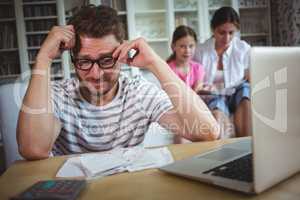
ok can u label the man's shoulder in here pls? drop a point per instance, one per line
(138, 86)
(134, 81)
(66, 85)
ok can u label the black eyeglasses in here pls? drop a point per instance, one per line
(105, 62)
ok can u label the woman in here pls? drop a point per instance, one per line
(226, 62)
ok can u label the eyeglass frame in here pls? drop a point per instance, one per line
(73, 59)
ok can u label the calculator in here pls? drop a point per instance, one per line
(53, 189)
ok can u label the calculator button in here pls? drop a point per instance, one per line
(48, 185)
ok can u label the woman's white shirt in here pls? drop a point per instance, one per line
(236, 59)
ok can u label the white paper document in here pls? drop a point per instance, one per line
(115, 161)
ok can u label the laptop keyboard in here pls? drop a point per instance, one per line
(239, 169)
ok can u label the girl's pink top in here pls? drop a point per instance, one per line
(195, 73)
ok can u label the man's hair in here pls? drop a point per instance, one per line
(95, 22)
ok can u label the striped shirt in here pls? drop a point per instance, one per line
(122, 122)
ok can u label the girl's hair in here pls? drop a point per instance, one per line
(224, 15)
(180, 32)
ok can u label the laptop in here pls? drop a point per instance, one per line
(256, 163)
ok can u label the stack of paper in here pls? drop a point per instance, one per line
(115, 161)
(95, 164)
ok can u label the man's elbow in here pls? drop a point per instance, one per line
(30, 152)
(213, 135)
(209, 133)
(31, 148)
(213, 132)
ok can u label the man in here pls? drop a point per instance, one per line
(101, 109)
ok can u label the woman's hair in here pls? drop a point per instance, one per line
(180, 32)
(96, 22)
(224, 15)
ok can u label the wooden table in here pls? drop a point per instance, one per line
(148, 184)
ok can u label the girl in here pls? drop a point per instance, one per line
(183, 45)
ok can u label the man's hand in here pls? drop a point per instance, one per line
(145, 58)
(59, 38)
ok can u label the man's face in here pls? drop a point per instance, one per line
(97, 81)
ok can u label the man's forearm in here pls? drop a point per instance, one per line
(36, 123)
(197, 120)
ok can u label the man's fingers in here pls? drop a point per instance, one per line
(117, 52)
(123, 57)
(68, 38)
(65, 42)
(70, 27)
(131, 50)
